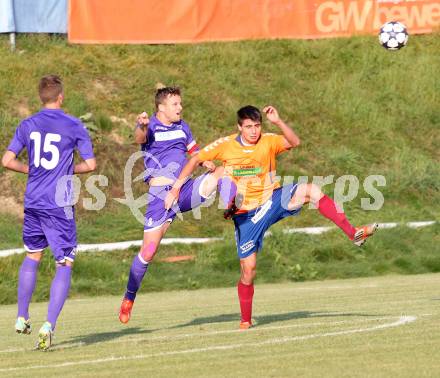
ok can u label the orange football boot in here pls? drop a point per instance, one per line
(125, 311)
(245, 325)
(363, 232)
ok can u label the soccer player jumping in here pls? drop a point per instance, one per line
(165, 139)
(249, 158)
(50, 137)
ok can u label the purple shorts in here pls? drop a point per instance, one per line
(189, 198)
(50, 227)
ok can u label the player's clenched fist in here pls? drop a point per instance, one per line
(271, 113)
(142, 119)
(209, 165)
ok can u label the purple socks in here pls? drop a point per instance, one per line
(27, 278)
(58, 293)
(137, 273)
(227, 191)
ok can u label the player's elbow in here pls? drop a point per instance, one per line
(4, 162)
(91, 163)
(139, 139)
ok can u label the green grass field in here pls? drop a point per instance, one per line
(381, 327)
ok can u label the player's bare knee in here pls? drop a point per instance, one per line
(314, 193)
(248, 277)
(248, 273)
(148, 251)
(36, 256)
(209, 185)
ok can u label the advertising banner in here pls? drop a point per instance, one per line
(188, 21)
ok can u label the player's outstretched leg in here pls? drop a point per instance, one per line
(138, 269)
(27, 278)
(327, 207)
(245, 288)
(59, 291)
(137, 272)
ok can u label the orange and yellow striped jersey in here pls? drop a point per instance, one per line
(252, 168)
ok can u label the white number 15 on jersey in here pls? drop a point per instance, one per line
(47, 147)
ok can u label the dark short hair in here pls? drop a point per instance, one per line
(163, 93)
(248, 112)
(49, 88)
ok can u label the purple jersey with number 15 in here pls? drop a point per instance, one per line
(50, 137)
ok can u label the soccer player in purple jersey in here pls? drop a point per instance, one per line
(50, 138)
(166, 140)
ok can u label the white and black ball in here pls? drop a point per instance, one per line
(393, 35)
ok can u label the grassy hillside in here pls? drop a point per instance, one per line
(358, 109)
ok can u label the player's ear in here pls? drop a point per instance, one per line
(239, 127)
(60, 98)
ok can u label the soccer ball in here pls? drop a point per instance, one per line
(393, 35)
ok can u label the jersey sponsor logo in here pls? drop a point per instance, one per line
(162, 128)
(246, 247)
(169, 135)
(248, 151)
(247, 171)
(261, 212)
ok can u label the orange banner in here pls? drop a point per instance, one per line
(188, 21)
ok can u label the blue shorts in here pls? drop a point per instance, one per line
(50, 227)
(190, 197)
(250, 227)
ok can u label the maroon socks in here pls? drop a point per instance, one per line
(327, 207)
(245, 295)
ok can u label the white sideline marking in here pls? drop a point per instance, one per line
(210, 333)
(257, 329)
(120, 245)
(420, 224)
(308, 230)
(137, 243)
(401, 321)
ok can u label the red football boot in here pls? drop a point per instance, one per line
(125, 311)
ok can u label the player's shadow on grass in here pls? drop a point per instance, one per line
(95, 338)
(267, 319)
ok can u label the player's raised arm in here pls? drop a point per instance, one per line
(141, 130)
(292, 140)
(10, 161)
